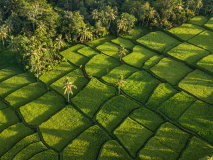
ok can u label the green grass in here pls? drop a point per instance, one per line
(100, 65)
(78, 79)
(58, 72)
(12, 84)
(87, 145)
(111, 150)
(199, 84)
(8, 117)
(26, 94)
(2, 105)
(140, 85)
(114, 111)
(176, 105)
(158, 41)
(132, 135)
(188, 53)
(139, 56)
(125, 42)
(172, 137)
(45, 155)
(11, 135)
(171, 70)
(30, 151)
(93, 95)
(203, 40)
(20, 146)
(154, 150)
(206, 63)
(152, 61)
(88, 52)
(186, 31)
(114, 75)
(162, 92)
(197, 149)
(209, 24)
(41, 109)
(199, 119)
(9, 72)
(100, 41)
(109, 49)
(147, 118)
(198, 20)
(63, 127)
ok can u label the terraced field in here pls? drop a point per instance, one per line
(164, 111)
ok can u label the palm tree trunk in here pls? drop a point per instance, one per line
(119, 90)
(3, 42)
(37, 72)
(68, 97)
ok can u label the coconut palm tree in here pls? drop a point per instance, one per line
(59, 43)
(68, 85)
(120, 83)
(3, 33)
(122, 51)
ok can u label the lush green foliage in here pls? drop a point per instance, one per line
(198, 20)
(171, 70)
(199, 84)
(9, 72)
(206, 63)
(26, 94)
(88, 52)
(121, 41)
(90, 93)
(7, 58)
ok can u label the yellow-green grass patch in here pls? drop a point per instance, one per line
(199, 84)
(197, 149)
(152, 61)
(203, 40)
(198, 20)
(9, 72)
(147, 118)
(100, 41)
(76, 77)
(139, 56)
(209, 24)
(12, 84)
(26, 94)
(157, 40)
(41, 109)
(176, 105)
(162, 92)
(93, 95)
(140, 85)
(172, 137)
(12, 135)
(199, 119)
(8, 117)
(125, 42)
(114, 75)
(20, 146)
(109, 49)
(100, 65)
(154, 150)
(88, 52)
(186, 31)
(132, 135)
(87, 145)
(63, 127)
(188, 53)
(114, 111)
(111, 150)
(45, 155)
(171, 70)
(206, 63)
(58, 72)
(2, 105)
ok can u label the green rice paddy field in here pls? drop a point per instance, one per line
(164, 111)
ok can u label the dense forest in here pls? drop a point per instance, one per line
(37, 29)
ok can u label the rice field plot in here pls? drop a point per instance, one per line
(7, 58)
(2, 105)
(97, 42)
(206, 63)
(9, 72)
(209, 24)
(188, 53)
(88, 52)
(186, 31)
(203, 40)
(199, 84)
(152, 61)
(158, 41)
(199, 20)
(171, 70)
(138, 57)
(46, 155)
(94, 94)
(125, 42)
(100, 65)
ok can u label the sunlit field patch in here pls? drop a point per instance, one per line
(125, 42)
(198, 20)
(206, 63)
(209, 24)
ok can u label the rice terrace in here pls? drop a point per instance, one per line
(164, 109)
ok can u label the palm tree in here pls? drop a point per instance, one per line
(120, 83)
(68, 85)
(3, 33)
(122, 51)
(59, 43)
(85, 34)
(95, 14)
(14, 43)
